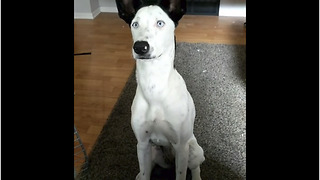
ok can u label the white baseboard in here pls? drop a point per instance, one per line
(83, 16)
(109, 9)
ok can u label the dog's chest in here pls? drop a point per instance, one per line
(156, 126)
(162, 133)
(160, 105)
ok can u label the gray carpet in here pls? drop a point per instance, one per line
(216, 78)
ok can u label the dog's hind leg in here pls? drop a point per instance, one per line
(196, 157)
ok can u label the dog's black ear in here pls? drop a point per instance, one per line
(175, 9)
(127, 9)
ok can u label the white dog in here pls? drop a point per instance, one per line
(163, 111)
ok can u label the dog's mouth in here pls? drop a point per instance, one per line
(146, 57)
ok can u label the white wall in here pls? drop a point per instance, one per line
(89, 9)
(86, 9)
(232, 8)
(108, 6)
(82, 6)
(94, 4)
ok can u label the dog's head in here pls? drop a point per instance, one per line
(175, 9)
(152, 24)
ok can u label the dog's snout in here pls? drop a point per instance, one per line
(141, 47)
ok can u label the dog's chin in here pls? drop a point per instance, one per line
(146, 58)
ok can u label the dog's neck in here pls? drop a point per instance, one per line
(153, 75)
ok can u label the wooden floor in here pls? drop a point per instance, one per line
(100, 77)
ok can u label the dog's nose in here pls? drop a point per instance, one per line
(141, 47)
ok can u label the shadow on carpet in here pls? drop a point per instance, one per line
(215, 75)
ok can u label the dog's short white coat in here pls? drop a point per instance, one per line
(163, 110)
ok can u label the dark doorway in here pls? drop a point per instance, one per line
(203, 7)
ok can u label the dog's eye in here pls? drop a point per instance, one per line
(160, 23)
(135, 25)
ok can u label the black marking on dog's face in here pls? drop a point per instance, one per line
(127, 9)
(174, 8)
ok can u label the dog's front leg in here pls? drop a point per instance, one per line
(182, 156)
(144, 157)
